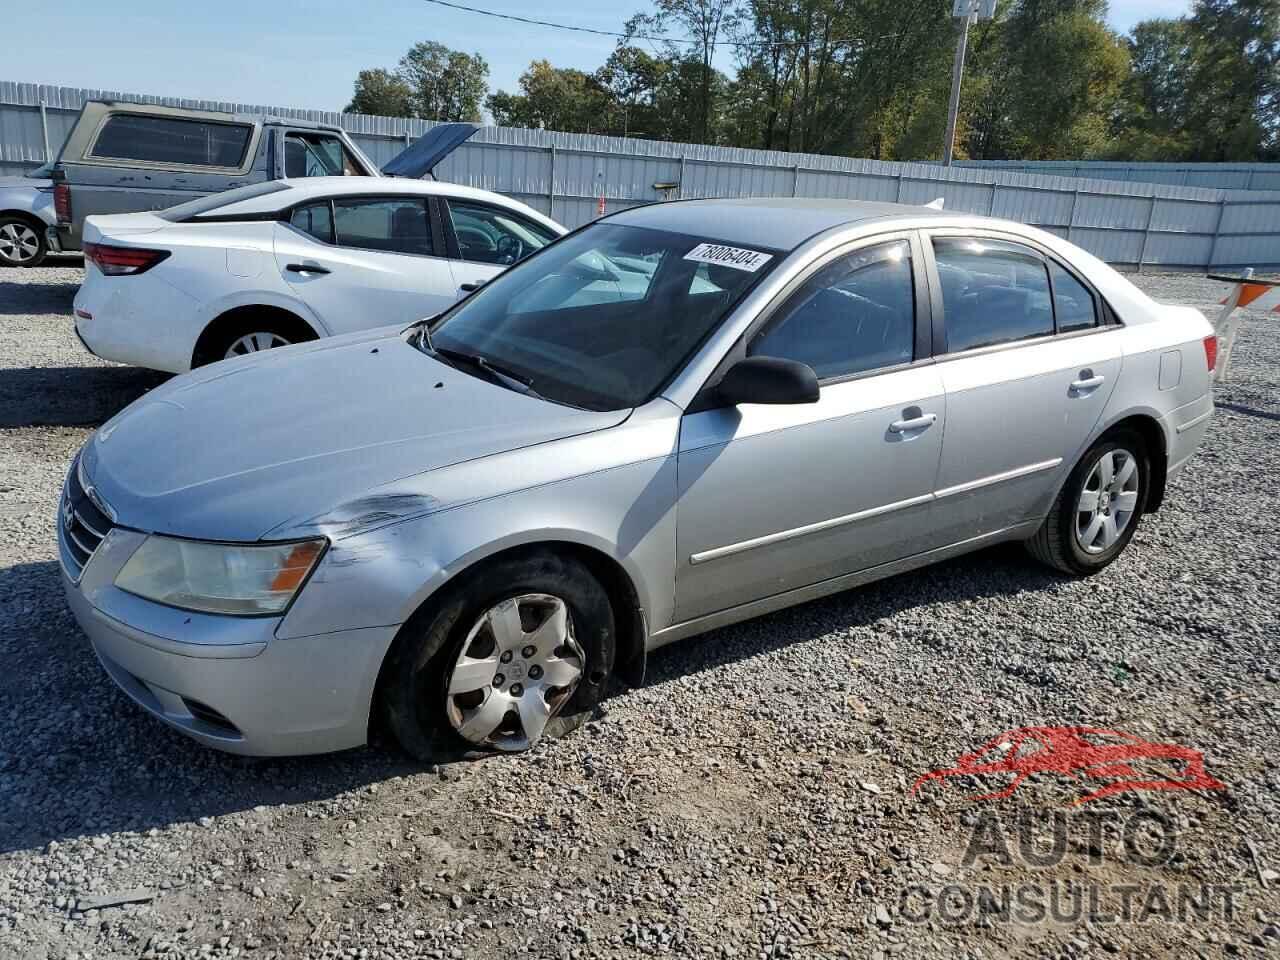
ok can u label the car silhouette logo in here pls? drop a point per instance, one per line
(1081, 752)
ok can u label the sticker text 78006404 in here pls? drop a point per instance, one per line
(725, 256)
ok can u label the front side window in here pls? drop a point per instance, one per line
(993, 292)
(604, 318)
(175, 140)
(389, 225)
(317, 155)
(855, 314)
(490, 235)
(1073, 305)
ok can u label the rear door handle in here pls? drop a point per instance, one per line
(915, 423)
(307, 268)
(1086, 382)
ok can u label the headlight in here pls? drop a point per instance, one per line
(241, 580)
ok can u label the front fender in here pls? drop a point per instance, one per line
(392, 551)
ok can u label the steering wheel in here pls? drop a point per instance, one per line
(510, 249)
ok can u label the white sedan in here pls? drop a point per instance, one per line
(290, 260)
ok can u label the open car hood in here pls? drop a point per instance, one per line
(423, 155)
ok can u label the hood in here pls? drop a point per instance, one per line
(424, 154)
(242, 446)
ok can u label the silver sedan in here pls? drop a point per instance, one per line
(679, 417)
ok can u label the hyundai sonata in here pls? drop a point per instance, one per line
(679, 417)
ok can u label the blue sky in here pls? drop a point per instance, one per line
(305, 53)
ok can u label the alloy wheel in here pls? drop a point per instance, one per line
(254, 342)
(1107, 501)
(518, 666)
(18, 242)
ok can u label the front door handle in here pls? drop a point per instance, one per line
(307, 268)
(468, 287)
(1086, 382)
(921, 422)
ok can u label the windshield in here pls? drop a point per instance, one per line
(605, 317)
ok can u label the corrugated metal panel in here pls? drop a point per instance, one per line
(1184, 220)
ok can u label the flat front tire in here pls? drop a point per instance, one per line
(1097, 511)
(519, 650)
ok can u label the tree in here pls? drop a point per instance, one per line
(631, 77)
(553, 98)
(445, 84)
(702, 22)
(381, 93)
(1232, 87)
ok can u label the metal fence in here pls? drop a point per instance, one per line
(1138, 225)
(1225, 176)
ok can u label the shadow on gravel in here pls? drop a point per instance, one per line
(22, 299)
(70, 396)
(78, 757)
(1247, 411)
(1002, 570)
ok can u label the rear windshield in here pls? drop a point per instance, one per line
(195, 209)
(174, 140)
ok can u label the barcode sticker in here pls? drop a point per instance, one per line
(723, 256)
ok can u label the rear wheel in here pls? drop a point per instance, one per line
(520, 650)
(1096, 513)
(22, 242)
(250, 331)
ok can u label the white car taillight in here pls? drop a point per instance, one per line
(122, 261)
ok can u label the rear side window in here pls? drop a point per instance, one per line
(195, 143)
(315, 219)
(993, 292)
(855, 314)
(390, 225)
(1072, 302)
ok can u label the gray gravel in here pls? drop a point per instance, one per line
(751, 800)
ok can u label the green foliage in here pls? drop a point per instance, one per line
(1045, 79)
(381, 93)
(431, 82)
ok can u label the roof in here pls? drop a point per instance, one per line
(779, 223)
(302, 189)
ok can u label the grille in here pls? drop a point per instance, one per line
(83, 524)
(206, 714)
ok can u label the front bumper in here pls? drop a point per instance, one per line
(227, 682)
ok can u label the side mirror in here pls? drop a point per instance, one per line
(769, 380)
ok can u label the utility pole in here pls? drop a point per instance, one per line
(966, 11)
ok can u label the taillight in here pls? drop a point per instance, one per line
(1211, 350)
(62, 201)
(122, 261)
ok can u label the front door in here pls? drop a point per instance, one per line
(1027, 370)
(772, 498)
(365, 261)
(487, 239)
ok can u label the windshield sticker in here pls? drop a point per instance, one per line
(722, 256)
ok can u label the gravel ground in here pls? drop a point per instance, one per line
(751, 800)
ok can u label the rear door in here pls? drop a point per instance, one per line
(366, 261)
(1028, 366)
(486, 238)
